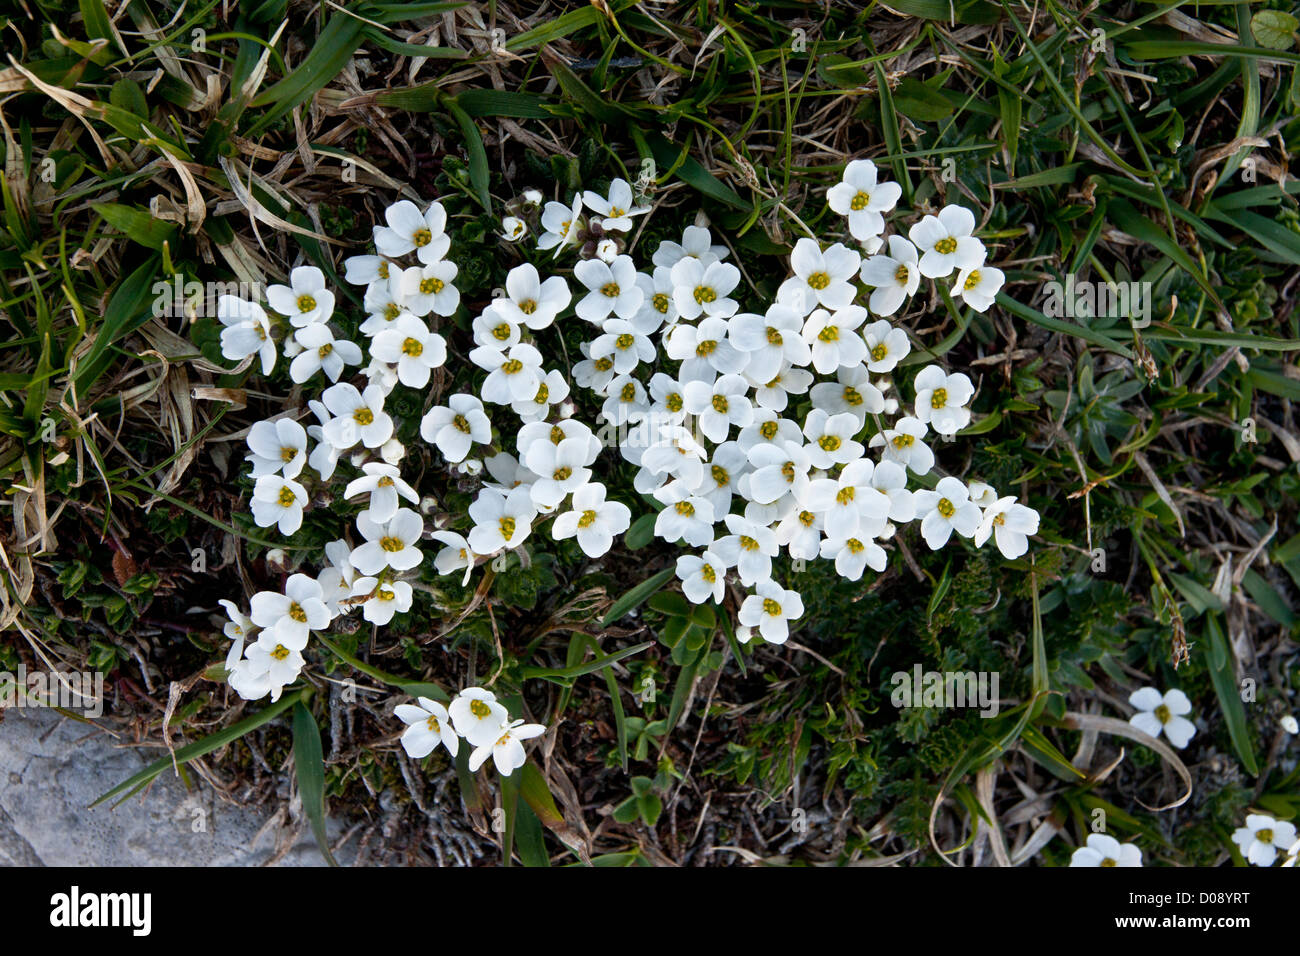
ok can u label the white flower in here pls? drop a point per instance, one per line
(324, 457)
(903, 444)
(689, 520)
(237, 629)
(363, 270)
(278, 501)
(415, 350)
(455, 427)
(946, 509)
(800, 532)
(862, 199)
(770, 609)
(1167, 713)
(305, 299)
(247, 331)
(833, 338)
(429, 288)
(1010, 524)
(607, 250)
(940, 397)
(269, 665)
(657, 306)
(849, 501)
(749, 548)
(593, 520)
(728, 465)
(769, 341)
(560, 224)
(979, 287)
(852, 555)
(1103, 850)
(885, 346)
(890, 479)
(617, 209)
(384, 303)
(389, 544)
(560, 469)
(513, 228)
(1260, 838)
(1290, 724)
(493, 330)
(696, 243)
(703, 348)
(719, 405)
(553, 389)
(982, 493)
(427, 726)
(852, 392)
(384, 483)
(289, 618)
(478, 716)
(335, 579)
(702, 577)
(410, 231)
(360, 416)
(895, 276)
(386, 598)
(830, 439)
(779, 469)
(626, 402)
(530, 301)
(700, 289)
(321, 351)
(280, 446)
(612, 289)
(946, 243)
(820, 278)
(454, 556)
(625, 344)
(507, 750)
(513, 375)
(501, 521)
(667, 401)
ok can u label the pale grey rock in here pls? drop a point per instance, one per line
(52, 768)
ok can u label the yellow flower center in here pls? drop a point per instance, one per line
(829, 442)
(507, 526)
(720, 475)
(859, 202)
(903, 441)
(774, 337)
(557, 434)
(819, 280)
(563, 473)
(673, 402)
(432, 724)
(297, 613)
(855, 545)
(604, 364)
(901, 275)
(628, 392)
(461, 424)
(392, 311)
(705, 348)
(768, 429)
(385, 595)
(501, 332)
(413, 348)
(1108, 861)
(806, 518)
(610, 289)
(660, 302)
(972, 280)
(879, 352)
(845, 495)
(945, 508)
(288, 453)
(280, 652)
(704, 294)
(1162, 714)
(287, 498)
(382, 270)
(306, 303)
(707, 572)
(528, 306)
(685, 508)
(625, 341)
(384, 481)
(586, 519)
(1264, 836)
(543, 394)
(787, 470)
(720, 403)
(939, 398)
(391, 544)
(771, 607)
(431, 286)
(422, 237)
(479, 708)
(946, 246)
(829, 334)
(512, 367)
(748, 543)
(852, 396)
(363, 416)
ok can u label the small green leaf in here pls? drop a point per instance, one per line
(1274, 29)
(309, 766)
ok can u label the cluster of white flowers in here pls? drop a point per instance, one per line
(474, 714)
(693, 393)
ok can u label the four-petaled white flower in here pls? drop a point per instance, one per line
(1103, 850)
(946, 243)
(428, 725)
(305, 299)
(1167, 714)
(770, 609)
(594, 521)
(617, 209)
(389, 544)
(860, 197)
(1262, 836)
(410, 345)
